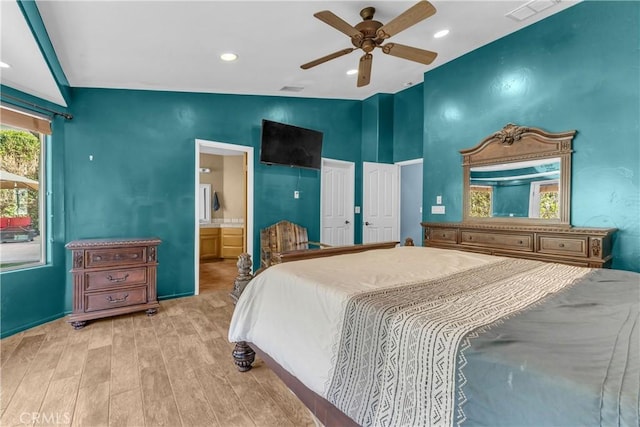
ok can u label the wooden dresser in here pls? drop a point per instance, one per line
(113, 277)
(585, 247)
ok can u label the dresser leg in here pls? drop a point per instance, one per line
(78, 325)
(151, 311)
(243, 356)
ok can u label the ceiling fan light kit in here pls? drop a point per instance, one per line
(370, 34)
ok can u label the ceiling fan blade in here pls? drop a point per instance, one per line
(364, 70)
(326, 58)
(416, 13)
(411, 53)
(338, 23)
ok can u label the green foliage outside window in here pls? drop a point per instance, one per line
(20, 154)
(549, 205)
(480, 203)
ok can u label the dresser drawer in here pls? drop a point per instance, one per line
(575, 246)
(232, 231)
(115, 256)
(99, 280)
(443, 235)
(231, 252)
(232, 241)
(522, 242)
(118, 298)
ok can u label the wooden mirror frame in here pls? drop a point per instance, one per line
(515, 143)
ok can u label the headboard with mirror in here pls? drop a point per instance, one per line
(517, 202)
(519, 175)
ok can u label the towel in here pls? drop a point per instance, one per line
(216, 202)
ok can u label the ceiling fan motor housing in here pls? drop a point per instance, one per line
(368, 28)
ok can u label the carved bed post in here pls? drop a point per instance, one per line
(243, 355)
(244, 276)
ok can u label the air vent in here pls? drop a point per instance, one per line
(529, 9)
(291, 89)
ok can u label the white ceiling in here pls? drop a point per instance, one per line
(175, 45)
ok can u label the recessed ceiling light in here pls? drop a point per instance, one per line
(228, 56)
(352, 72)
(441, 33)
(4, 65)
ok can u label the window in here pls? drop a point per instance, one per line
(481, 201)
(22, 189)
(544, 200)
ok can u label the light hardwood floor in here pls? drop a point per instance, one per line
(172, 369)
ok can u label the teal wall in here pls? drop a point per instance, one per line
(408, 124)
(141, 179)
(377, 128)
(578, 69)
(511, 200)
(36, 295)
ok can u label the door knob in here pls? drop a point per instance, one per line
(346, 221)
(368, 223)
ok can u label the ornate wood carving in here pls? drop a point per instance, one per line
(243, 356)
(113, 277)
(152, 254)
(515, 143)
(244, 276)
(564, 245)
(78, 259)
(510, 133)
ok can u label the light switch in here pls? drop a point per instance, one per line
(357, 209)
(439, 210)
(296, 194)
(439, 200)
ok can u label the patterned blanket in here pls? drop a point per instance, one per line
(395, 364)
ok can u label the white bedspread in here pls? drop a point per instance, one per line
(294, 311)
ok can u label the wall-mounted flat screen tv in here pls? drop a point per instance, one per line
(283, 144)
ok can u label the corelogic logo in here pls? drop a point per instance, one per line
(48, 418)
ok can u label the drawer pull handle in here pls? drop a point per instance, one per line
(561, 245)
(444, 235)
(117, 279)
(97, 258)
(117, 300)
(520, 242)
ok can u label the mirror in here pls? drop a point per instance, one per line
(518, 175)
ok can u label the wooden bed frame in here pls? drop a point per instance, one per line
(519, 238)
(244, 353)
(554, 241)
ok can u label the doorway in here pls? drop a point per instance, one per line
(337, 187)
(380, 203)
(411, 200)
(223, 149)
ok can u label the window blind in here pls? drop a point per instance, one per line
(25, 121)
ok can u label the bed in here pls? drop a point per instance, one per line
(506, 318)
(427, 336)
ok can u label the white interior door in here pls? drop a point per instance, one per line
(380, 202)
(338, 188)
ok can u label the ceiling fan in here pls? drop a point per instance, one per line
(369, 34)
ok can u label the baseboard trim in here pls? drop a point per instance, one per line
(5, 334)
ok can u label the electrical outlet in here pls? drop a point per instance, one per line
(296, 194)
(439, 210)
